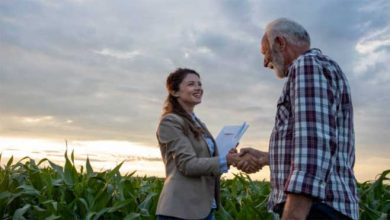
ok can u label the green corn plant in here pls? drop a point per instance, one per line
(30, 191)
(375, 198)
(243, 198)
(45, 190)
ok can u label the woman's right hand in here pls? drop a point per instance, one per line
(232, 157)
(247, 163)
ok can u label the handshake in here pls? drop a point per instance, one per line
(248, 160)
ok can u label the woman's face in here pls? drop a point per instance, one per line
(190, 91)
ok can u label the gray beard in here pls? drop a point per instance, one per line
(278, 63)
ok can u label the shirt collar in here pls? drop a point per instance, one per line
(312, 51)
(194, 118)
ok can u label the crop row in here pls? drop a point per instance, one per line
(45, 190)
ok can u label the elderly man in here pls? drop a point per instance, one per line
(311, 151)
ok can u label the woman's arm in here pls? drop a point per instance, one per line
(179, 148)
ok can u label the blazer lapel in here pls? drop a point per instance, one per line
(209, 135)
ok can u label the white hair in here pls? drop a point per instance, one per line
(292, 31)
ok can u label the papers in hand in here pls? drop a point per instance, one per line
(229, 137)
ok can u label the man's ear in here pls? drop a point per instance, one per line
(281, 42)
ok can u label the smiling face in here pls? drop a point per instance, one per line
(190, 92)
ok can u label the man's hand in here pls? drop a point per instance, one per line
(248, 163)
(297, 207)
(258, 160)
(263, 157)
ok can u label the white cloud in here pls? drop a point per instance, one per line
(118, 54)
(117, 93)
(373, 50)
(375, 6)
(369, 60)
(374, 41)
(33, 120)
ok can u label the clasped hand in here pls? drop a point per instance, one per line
(248, 160)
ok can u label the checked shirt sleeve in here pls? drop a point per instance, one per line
(314, 128)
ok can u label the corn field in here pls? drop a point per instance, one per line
(30, 190)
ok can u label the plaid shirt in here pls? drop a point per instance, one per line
(312, 149)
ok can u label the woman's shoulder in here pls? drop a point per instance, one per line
(172, 117)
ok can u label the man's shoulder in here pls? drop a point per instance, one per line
(312, 57)
(312, 53)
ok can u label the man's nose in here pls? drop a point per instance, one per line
(266, 61)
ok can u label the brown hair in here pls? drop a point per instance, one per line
(173, 106)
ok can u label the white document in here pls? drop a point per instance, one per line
(229, 137)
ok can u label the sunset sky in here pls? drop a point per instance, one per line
(93, 72)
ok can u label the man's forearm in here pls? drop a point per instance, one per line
(297, 207)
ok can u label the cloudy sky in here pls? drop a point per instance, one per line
(85, 70)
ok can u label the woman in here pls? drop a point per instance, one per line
(192, 164)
